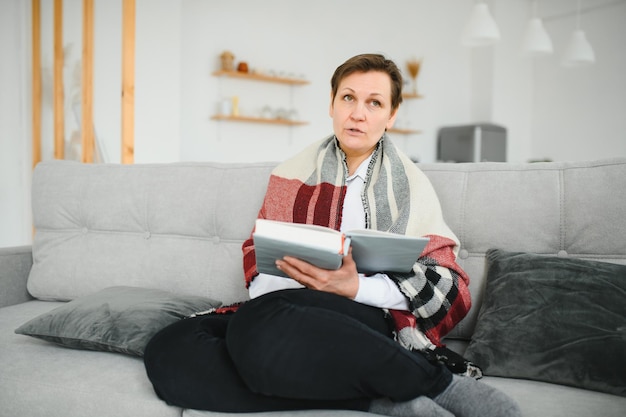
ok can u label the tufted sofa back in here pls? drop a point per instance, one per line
(177, 227)
(180, 226)
(571, 209)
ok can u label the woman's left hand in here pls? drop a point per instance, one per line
(343, 281)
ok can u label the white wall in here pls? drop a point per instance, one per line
(580, 113)
(15, 150)
(512, 80)
(549, 111)
(158, 56)
(312, 38)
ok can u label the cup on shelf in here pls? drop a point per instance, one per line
(281, 114)
(266, 112)
(292, 115)
(242, 67)
(225, 107)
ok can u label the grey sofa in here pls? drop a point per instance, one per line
(179, 228)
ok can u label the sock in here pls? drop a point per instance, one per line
(467, 397)
(418, 407)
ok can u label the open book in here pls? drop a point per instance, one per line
(372, 250)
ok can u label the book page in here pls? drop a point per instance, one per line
(307, 234)
(385, 252)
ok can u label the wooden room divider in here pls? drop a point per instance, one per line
(87, 125)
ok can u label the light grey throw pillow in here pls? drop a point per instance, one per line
(116, 319)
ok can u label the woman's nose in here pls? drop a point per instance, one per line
(358, 112)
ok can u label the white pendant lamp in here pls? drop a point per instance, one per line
(481, 29)
(579, 51)
(536, 39)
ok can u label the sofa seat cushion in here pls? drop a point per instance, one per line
(116, 319)
(537, 398)
(42, 379)
(291, 413)
(553, 319)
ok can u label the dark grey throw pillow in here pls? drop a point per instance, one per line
(116, 319)
(553, 319)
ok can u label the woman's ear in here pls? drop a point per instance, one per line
(330, 107)
(392, 119)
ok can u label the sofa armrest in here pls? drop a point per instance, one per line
(15, 264)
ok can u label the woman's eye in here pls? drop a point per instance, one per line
(376, 103)
(348, 97)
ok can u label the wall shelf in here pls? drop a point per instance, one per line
(260, 77)
(244, 119)
(400, 131)
(410, 96)
(405, 131)
(263, 78)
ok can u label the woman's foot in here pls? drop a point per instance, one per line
(418, 407)
(467, 397)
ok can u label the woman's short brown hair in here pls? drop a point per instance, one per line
(366, 63)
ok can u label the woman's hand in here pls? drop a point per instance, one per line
(343, 281)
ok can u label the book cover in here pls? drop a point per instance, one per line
(373, 251)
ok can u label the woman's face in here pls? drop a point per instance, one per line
(361, 111)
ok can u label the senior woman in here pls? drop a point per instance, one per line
(336, 339)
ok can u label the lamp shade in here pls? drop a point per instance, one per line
(536, 39)
(579, 51)
(480, 29)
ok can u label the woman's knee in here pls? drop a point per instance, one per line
(187, 361)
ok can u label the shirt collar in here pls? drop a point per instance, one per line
(361, 171)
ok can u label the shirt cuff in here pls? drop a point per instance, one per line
(266, 283)
(380, 291)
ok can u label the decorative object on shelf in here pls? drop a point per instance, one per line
(536, 39)
(242, 67)
(225, 107)
(266, 112)
(235, 109)
(281, 114)
(413, 66)
(292, 115)
(481, 29)
(579, 51)
(228, 61)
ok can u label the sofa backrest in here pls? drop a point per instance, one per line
(570, 209)
(179, 227)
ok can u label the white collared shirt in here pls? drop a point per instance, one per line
(375, 290)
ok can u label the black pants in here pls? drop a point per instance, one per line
(287, 350)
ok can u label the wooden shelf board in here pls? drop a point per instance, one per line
(405, 131)
(259, 77)
(258, 120)
(411, 95)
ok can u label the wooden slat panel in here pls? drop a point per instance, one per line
(128, 82)
(36, 74)
(87, 129)
(59, 114)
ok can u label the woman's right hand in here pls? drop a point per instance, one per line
(343, 281)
